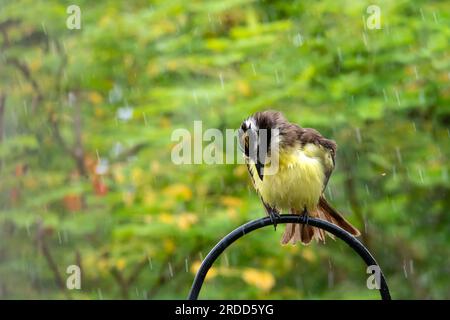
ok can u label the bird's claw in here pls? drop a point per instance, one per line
(305, 216)
(274, 216)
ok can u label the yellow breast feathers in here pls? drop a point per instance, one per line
(300, 179)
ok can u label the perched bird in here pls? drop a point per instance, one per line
(304, 161)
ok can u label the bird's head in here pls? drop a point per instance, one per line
(259, 133)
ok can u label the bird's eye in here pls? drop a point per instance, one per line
(244, 141)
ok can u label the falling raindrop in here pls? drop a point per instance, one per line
(421, 175)
(398, 154)
(385, 95)
(150, 263)
(226, 261)
(404, 270)
(221, 80)
(186, 264)
(411, 266)
(416, 73)
(421, 14)
(115, 94)
(435, 17)
(397, 96)
(59, 238)
(25, 107)
(100, 294)
(170, 270)
(366, 44)
(253, 69)
(330, 192)
(276, 76)
(298, 40)
(28, 230)
(200, 254)
(358, 135)
(145, 119)
(44, 28)
(408, 174)
(367, 190)
(330, 274)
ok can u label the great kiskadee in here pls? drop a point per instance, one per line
(305, 161)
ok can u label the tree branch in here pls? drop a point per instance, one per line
(43, 246)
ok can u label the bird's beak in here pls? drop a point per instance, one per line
(260, 170)
(243, 142)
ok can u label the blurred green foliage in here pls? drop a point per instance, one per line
(86, 118)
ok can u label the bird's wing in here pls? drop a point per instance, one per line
(309, 135)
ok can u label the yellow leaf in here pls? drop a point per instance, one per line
(153, 69)
(95, 98)
(172, 65)
(35, 64)
(136, 175)
(211, 273)
(164, 122)
(149, 198)
(230, 201)
(232, 213)
(166, 218)
(118, 175)
(240, 171)
(155, 167)
(260, 279)
(179, 190)
(120, 264)
(243, 88)
(102, 265)
(185, 220)
(308, 254)
(169, 246)
(99, 112)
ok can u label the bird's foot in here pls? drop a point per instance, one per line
(305, 216)
(274, 216)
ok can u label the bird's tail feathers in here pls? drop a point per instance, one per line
(296, 232)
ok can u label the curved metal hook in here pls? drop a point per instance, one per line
(239, 232)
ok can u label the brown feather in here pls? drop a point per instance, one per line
(335, 217)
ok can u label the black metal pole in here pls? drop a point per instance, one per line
(239, 232)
